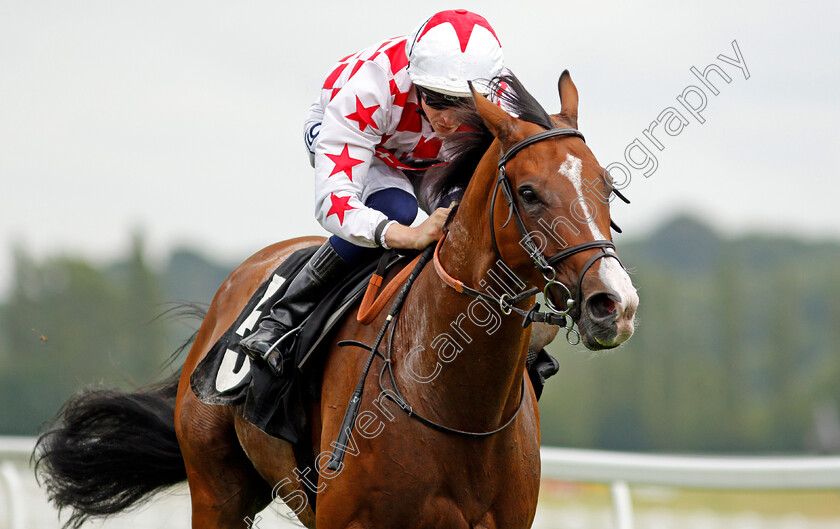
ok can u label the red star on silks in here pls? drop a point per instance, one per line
(462, 21)
(427, 149)
(410, 121)
(339, 207)
(363, 114)
(343, 162)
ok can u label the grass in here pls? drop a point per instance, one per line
(811, 504)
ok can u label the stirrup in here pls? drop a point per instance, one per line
(267, 358)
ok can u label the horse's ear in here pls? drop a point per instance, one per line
(496, 119)
(568, 98)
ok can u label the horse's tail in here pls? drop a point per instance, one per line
(111, 451)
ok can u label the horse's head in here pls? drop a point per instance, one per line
(551, 208)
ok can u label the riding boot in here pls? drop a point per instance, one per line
(273, 340)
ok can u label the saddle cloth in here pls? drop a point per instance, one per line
(277, 404)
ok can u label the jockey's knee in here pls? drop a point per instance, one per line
(395, 203)
(352, 254)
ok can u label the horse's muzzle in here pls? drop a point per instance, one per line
(607, 320)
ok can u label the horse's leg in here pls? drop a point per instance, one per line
(224, 486)
(275, 460)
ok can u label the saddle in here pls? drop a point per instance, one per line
(277, 405)
(227, 376)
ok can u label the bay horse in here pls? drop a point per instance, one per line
(455, 359)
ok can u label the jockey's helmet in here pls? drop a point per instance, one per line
(451, 48)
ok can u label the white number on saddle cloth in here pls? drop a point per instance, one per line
(227, 378)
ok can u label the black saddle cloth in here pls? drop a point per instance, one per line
(277, 405)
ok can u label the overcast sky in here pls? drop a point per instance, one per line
(182, 119)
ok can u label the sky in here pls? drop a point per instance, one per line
(182, 120)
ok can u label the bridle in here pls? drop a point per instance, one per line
(545, 264)
(506, 302)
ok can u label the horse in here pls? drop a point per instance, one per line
(451, 437)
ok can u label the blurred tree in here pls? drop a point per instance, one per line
(730, 315)
(142, 340)
(68, 324)
(783, 361)
(735, 347)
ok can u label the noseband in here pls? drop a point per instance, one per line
(545, 264)
(505, 301)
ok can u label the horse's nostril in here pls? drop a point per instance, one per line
(601, 306)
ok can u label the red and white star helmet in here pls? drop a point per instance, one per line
(451, 48)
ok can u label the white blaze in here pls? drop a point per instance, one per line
(610, 272)
(572, 169)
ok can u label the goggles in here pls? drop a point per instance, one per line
(438, 101)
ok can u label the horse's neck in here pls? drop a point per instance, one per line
(464, 359)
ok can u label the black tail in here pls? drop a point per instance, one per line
(110, 450)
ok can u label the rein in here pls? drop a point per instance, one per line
(352, 411)
(395, 395)
(507, 303)
(398, 399)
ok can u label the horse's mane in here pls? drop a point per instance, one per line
(467, 148)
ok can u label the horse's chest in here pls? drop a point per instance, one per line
(417, 485)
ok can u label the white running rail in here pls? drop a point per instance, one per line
(13, 449)
(618, 470)
(686, 472)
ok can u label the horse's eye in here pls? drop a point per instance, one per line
(528, 195)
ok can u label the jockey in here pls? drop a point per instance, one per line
(377, 125)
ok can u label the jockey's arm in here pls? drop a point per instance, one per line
(355, 118)
(348, 137)
(419, 237)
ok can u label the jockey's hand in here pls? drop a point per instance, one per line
(418, 238)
